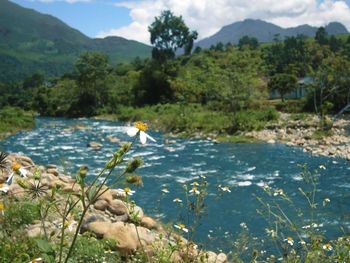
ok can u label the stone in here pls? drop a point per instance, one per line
(117, 207)
(51, 166)
(52, 171)
(127, 238)
(107, 195)
(101, 204)
(149, 222)
(99, 228)
(25, 159)
(136, 212)
(118, 194)
(221, 258)
(113, 139)
(271, 141)
(93, 217)
(94, 145)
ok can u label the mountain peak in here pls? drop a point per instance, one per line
(264, 31)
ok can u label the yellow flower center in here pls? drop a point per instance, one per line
(289, 239)
(141, 126)
(2, 207)
(181, 226)
(15, 167)
(328, 245)
(126, 190)
(194, 189)
(195, 183)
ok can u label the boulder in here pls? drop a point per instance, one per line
(149, 222)
(94, 145)
(101, 204)
(52, 171)
(117, 207)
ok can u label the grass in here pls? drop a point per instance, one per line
(14, 120)
(195, 119)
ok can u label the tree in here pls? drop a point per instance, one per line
(283, 83)
(93, 69)
(249, 42)
(321, 36)
(168, 33)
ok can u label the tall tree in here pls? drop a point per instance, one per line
(321, 36)
(93, 69)
(283, 83)
(168, 33)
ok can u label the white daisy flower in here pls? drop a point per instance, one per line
(322, 167)
(17, 168)
(194, 190)
(127, 191)
(140, 128)
(225, 189)
(177, 200)
(166, 191)
(327, 247)
(4, 188)
(195, 184)
(181, 227)
(290, 241)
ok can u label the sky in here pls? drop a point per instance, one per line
(130, 18)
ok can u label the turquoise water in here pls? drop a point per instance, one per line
(243, 167)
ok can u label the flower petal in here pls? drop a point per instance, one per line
(143, 137)
(151, 138)
(23, 172)
(9, 180)
(132, 131)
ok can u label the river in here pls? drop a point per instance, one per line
(242, 167)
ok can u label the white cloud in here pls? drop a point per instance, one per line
(208, 16)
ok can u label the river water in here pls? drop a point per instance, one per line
(242, 167)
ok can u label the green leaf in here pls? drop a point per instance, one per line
(44, 246)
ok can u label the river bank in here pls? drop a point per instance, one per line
(300, 129)
(112, 217)
(304, 133)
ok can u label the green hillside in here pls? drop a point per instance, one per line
(32, 42)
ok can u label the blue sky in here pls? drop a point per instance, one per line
(88, 17)
(130, 18)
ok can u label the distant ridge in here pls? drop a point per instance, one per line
(32, 42)
(264, 32)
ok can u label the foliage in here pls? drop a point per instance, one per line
(283, 84)
(168, 33)
(36, 43)
(248, 42)
(15, 119)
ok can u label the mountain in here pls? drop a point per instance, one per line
(32, 42)
(264, 32)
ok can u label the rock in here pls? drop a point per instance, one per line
(123, 234)
(66, 179)
(221, 258)
(271, 141)
(99, 228)
(113, 139)
(136, 212)
(118, 194)
(149, 222)
(25, 159)
(127, 238)
(51, 166)
(107, 195)
(37, 229)
(52, 171)
(117, 207)
(169, 141)
(93, 217)
(94, 145)
(101, 204)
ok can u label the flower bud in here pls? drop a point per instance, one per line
(133, 165)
